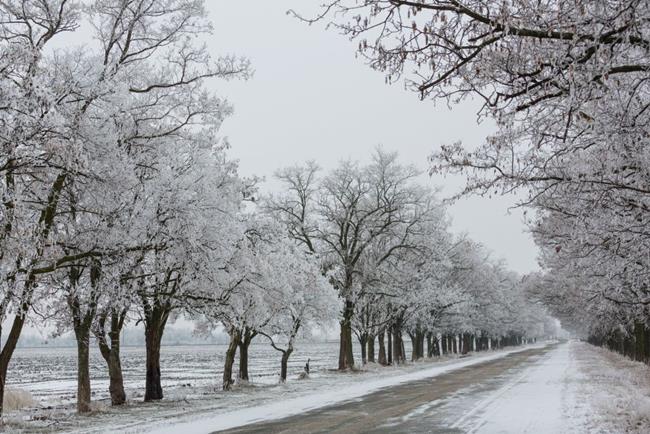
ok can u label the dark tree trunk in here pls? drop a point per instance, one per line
(82, 322)
(382, 349)
(417, 341)
(647, 345)
(3, 375)
(371, 349)
(284, 363)
(390, 346)
(466, 341)
(111, 354)
(83, 370)
(420, 336)
(363, 339)
(7, 352)
(243, 361)
(429, 345)
(346, 357)
(229, 361)
(639, 337)
(454, 344)
(244, 343)
(443, 339)
(153, 332)
(398, 348)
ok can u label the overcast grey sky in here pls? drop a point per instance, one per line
(311, 98)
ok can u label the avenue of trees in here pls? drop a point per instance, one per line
(567, 84)
(120, 204)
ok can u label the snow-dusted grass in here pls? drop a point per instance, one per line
(618, 388)
(18, 399)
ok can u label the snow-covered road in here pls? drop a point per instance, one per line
(567, 388)
(480, 397)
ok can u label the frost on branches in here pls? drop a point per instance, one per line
(567, 84)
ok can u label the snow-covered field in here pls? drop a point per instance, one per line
(49, 374)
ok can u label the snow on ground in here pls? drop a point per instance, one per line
(541, 399)
(576, 388)
(618, 390)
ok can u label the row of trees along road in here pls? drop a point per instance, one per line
(120, 204)
(566, 83)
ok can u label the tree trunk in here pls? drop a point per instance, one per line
(419, 337)
(363, 339)
(398, 355)
(111, 354)
(244, 343)
(382, 349)
(82, 322)
(83, 370)
(390, 346)
(346, 357)
(243, 361)
(371, 349)
(639, 342)
(443, 340)
(3, 375)
(284, 364)
(7, 352)
(466, 341)
(153, 339)
(231, 352)
(454, 344)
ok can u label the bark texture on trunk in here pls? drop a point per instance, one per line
(382, 359)
(110, 350)
(83, 372)
(246, 337)
(390, 346)
(284, 363)
(229, 361)
(155, 322)
(398, 347)
(363, 340)
(82, 322)
(371, 349)
(346, 357)
(7, 352)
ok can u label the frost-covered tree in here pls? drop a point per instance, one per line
(341, 214)
(566, 84)
(94, 135)
(305, 299)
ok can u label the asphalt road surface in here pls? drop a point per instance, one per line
(455, 402)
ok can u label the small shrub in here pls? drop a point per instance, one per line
(17, 399)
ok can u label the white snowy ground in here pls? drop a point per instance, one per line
(574, 388)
